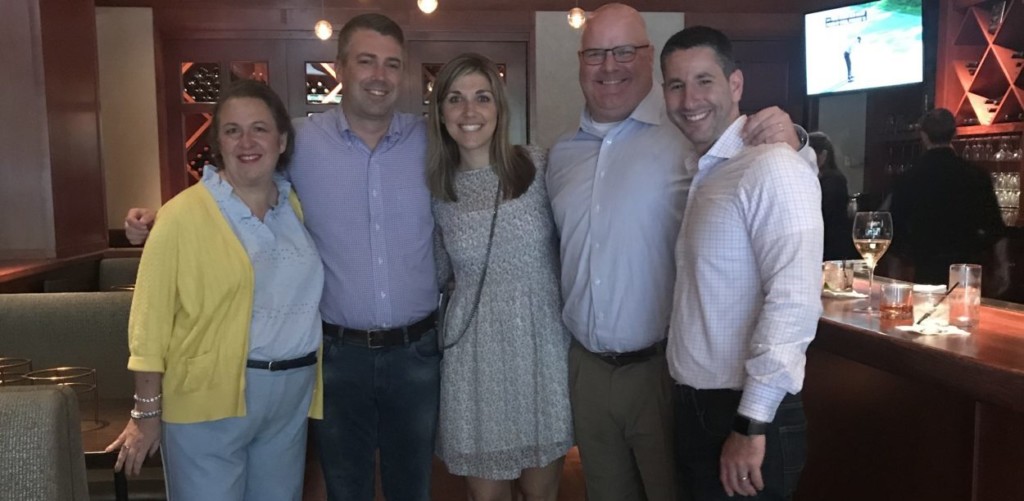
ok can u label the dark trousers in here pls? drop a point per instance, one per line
(379, 398)
(703, 422)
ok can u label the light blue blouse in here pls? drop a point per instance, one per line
(287, 270)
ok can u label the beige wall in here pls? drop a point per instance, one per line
(558, 96)
(843, 118)
(131, 156)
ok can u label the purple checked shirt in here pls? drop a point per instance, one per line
(369, 214)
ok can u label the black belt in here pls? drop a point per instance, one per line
(282, 365)
(629, 357)
(381, 338)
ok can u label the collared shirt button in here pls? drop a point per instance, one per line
(380, 260)
(376, 227)
(607, 141)
(383, 294)
(597, 245)
(597, 208)
(597, 282)
(602, 174)
(375, 193)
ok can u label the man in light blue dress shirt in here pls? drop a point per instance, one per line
(617, 187)
(748, 285)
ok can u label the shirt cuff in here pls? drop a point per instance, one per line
(760, 401)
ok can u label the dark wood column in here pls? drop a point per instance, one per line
(51, 180)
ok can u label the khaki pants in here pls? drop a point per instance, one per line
(623, 424)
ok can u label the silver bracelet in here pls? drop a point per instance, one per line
(146, 414)
(148, 400)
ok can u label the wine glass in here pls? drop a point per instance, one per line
(872, 234)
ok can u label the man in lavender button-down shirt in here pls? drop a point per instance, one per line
(359, 170)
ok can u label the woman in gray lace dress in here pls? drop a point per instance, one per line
(504, 381)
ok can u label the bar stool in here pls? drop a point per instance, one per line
(13, 370)
(80, 379)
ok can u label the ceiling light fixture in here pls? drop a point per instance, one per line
(577, 16)
(427, 6)
(323, 29)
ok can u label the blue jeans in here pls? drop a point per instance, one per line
(379, 398)
(703, 422)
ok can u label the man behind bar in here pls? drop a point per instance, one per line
(944, 210)
(748, 279)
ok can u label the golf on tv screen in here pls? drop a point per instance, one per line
(864, 46)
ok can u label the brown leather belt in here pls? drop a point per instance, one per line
(382, 338)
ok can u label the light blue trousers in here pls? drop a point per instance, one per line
(260, 456)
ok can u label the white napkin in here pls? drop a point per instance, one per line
(933, 329)
(842, 294)
(936, 324)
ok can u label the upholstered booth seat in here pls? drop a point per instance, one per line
(41, 455)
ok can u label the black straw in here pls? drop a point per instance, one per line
(937, 303)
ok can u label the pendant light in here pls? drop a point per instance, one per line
(427, 6)
(323, 29)
(577, 16)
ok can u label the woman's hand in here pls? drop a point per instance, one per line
(139, 440)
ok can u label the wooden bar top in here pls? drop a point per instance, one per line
(987, 365)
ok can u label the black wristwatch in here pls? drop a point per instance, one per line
(746, 426)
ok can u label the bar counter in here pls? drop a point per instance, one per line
(894, 415)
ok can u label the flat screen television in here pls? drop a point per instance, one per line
(864, 46)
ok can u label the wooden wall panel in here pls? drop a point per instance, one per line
(875, 435)
(53, 191)
(26, 219)
(72, 103)
(1000, 452)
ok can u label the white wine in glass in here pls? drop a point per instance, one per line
(872, 234)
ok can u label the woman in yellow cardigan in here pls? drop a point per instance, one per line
(225, 327)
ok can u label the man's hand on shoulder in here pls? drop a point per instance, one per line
(137, 223)
(768, 126)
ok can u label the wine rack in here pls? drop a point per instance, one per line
(322, 85)
(984, 79)
(987, 57)
(201, 83)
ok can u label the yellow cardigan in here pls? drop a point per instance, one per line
(191, 311)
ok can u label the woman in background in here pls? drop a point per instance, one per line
(504, 378)
(225, 327)
(834, 196)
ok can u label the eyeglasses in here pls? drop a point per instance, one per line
(622, 54)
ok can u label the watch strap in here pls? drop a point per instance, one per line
(746, 426)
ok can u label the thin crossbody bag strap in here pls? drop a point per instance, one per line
(483, 276)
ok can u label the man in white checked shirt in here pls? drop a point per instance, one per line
(746, 300)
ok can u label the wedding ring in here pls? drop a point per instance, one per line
(743, 478)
